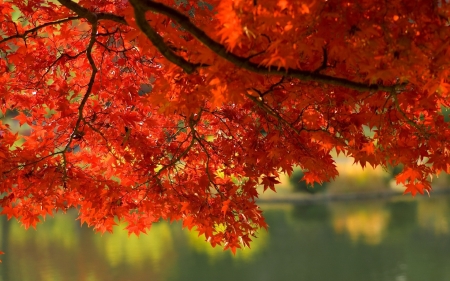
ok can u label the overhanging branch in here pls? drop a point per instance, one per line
(79, 10)
(141, 6)
(91, 16)
(35, 29)
(157, 40)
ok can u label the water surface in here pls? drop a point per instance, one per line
(396, 240)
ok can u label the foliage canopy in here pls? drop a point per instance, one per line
(142, 110)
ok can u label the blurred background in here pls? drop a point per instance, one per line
(358, 227)
(339, 235)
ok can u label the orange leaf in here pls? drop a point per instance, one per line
(225, 206)
(22, 118)
(369, 148)
(408, 174)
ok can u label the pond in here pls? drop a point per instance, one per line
(401, 239)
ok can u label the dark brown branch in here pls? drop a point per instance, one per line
(91, 16)
(79, 10)
(141, 6)
(90, 84)
(195, 136)
(272, 87)
(35, 29)
(419, 128)
(157, 40)
(19, 166)
(272, 112)
(324, 61)
(56, 61)
(112, 17)
(108, 145)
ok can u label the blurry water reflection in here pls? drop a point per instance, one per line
(382, 240)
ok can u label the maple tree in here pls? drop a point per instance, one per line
(140, 110)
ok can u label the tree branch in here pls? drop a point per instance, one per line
(419, 128)
(157, 40)
(272, 112)
(79, 10)
(90, 85)
(91, 16)
(324, 61)
(112, 17)
(35, 29)
(272, 87)
(141, 6)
